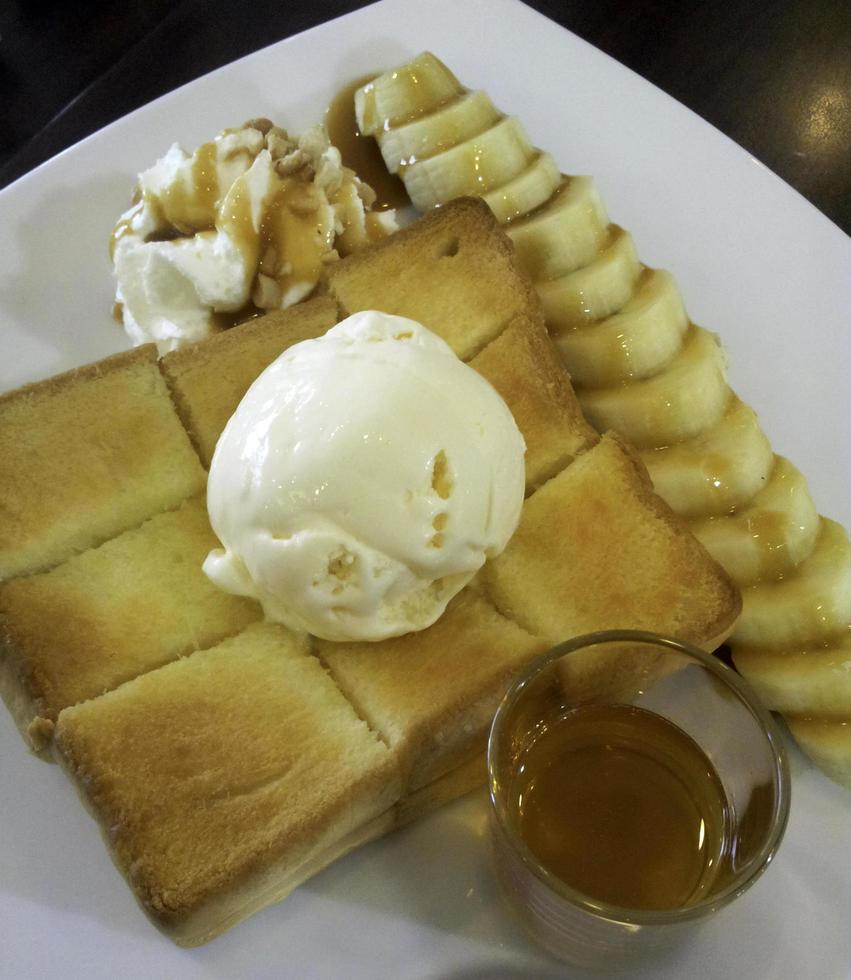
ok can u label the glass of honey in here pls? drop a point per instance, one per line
(637, 788)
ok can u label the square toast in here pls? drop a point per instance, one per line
(453, 270)
(112, 613)
(208, 379)
(523, 366)
(598, 533)
(220, 775)
(86, 455)
(431, 695)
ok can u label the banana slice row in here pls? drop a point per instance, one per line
(468, 115)
(641, 367)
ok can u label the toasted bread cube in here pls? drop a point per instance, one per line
(208, 379)
(432, 694)
(524, 367)
(597, 549)
(453, 270)
(87, 455)
(221, 778)
(114, 612)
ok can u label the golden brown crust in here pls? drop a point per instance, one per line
(54, 385)
(596, 549)
(431, 695)
(453, 270)
(208, 379)
(214, 769)
(525, 369)
(16, 690)
(85, 456)
(114, 612)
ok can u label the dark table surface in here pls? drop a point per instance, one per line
(774, 75)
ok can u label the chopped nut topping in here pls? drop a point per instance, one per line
(261, 123)
(278, 143)
(314, 141)
(289, 164)
(280, 133)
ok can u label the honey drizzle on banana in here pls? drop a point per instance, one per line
(719, 477)
(360, 152)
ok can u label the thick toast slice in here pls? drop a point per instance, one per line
(87, 455)
(453, 270)
(220, 778)
(463, 779)
(110, 614)
(597, 549)
(432, 694)
(523, 366)
(208, 379)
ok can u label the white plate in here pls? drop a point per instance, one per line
(756, 262)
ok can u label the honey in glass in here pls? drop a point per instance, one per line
(623, 806)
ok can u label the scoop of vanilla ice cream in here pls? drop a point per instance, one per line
(244, 222)
(363, 480)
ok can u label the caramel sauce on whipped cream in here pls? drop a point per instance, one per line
(243, 224)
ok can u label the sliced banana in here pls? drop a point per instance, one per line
(564, 235)
(636, 342)
(620, 333)
(771, 535)
(717, 470)
(475, 166)
(802, 680)
(809, 606)
(405, 93)
(595, 292)
(466, 116)
(526, 191)
(827, 741)
(690, 395)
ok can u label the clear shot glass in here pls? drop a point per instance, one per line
(665, 683)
